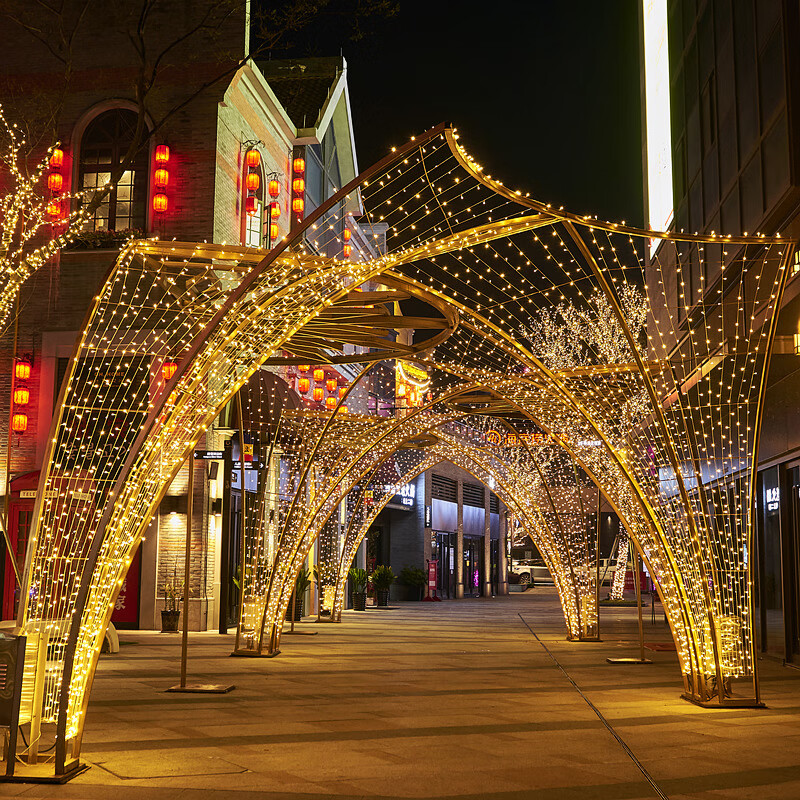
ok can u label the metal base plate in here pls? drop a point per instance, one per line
(299, 633)
(203, 688)
(728, 702)
(42, 773)
(255, 654)
(629, 661)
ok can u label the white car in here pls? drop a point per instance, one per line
(531, 572)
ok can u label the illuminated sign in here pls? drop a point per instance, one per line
(517, 439)
(660, 203)
(404, 496)
(773, 498)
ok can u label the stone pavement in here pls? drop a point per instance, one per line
(452, 700)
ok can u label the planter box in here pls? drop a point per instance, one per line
(517, 587)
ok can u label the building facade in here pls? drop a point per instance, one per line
(721, 116)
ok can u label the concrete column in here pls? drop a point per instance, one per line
(460, 543)
(502, 561)
(487, 543)
(427, 508)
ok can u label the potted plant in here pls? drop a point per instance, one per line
(415, 578)
(382, 579)
(171, 614)
(300, 585)
(358, 588)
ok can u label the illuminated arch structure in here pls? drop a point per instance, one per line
(658, 397)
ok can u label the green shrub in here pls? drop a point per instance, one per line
(413, 576)
(358, 579)
(383, 577)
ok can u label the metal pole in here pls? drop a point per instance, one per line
(186, 569)
(637, 582)
(225, 536)
(597, 563)
(242, 516)
(7, 500)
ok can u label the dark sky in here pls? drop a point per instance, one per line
(545, 93)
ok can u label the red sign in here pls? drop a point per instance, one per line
(630, 584)
(126, 609)
(432, 575)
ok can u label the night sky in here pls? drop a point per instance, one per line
(545, 93)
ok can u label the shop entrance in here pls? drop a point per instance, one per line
(473, 566)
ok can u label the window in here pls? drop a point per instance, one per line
(253, 205)
(104, 145)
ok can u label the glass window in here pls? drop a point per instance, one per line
(254, 223)
(252, 235)
(104, 145)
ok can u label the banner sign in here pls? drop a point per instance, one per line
(432, 565)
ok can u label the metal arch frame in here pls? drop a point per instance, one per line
(191, 374)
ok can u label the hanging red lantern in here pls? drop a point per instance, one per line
(347, 234)
(347, 250)
(299, 165)
(56, 158)
(274, 210)
(252, 181)
(160, 203)
(161, 178)
(22, 370)
(168, 369)
(251, 206)
(274, 187)
(303, 385)
(19, 423)
(330, 403)
(54, 208)
(304, 367)
(55, 182)
(330, 384)
(21, 396)
(318, 394)
(298, 204)
(252, 158)
(162, 154)
(342, 409)
(319, 374)
(298, 185)
(342, 391)
(273, 230)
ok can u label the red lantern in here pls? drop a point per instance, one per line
(55, 182)
(298, 185)
(22, 370)
(342, 409)
(168, 369)
(303, 385)
(251, 206)
(19, 423)
(347, 250)
(274, 210)
(299, 165)
(331, 403)
(161, 178)
(162, 154)
(160, 203)
(54, 208)
(346, 234)
(273, 230)
(21, 397)
(319, 374)
(274, 187)
(298, 204)
(252, 158)
(318, 394)
(330, 384)
(252, 181)
(56, 158)
(304, 367)
(342, 391)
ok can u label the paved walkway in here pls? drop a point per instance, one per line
(452, 700)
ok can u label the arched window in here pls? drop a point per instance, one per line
(254, 208)
(103, 146)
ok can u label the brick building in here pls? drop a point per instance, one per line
(190, 183)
